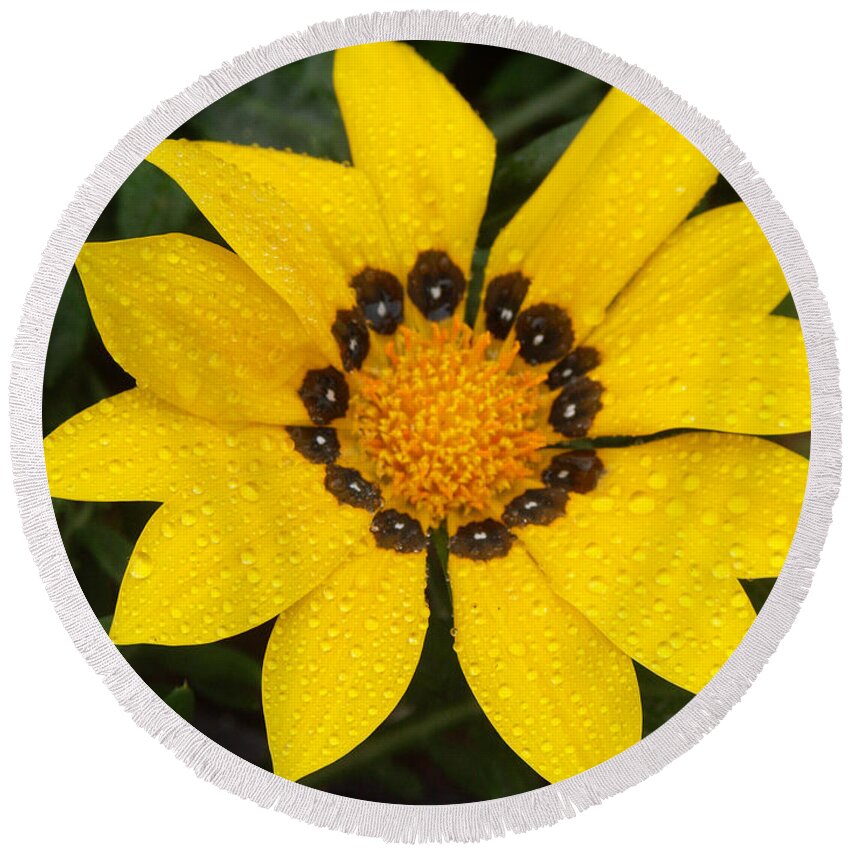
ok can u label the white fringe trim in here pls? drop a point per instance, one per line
(472, 821)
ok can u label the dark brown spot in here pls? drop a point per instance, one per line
(535, 507)
(318, 445)
(352, 336)
(481, 541)
(325, 394)
(574, 365)
(544, 333)
(578, 471)
(435, 285)
(380, 296)
(351, 488)
(574, 410)
(398, 531)
(504, 297)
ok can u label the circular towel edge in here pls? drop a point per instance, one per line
(401, 823)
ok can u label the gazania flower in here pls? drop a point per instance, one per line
(311, 406)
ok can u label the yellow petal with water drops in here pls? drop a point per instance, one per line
(428, 154)
(335, 198)
(339, 661)
(272, 237)
(192, 323)
(255, 533)
(691, 342)
(653, 554)
(130, 447)
(557, 691)
(639, 187)
(522, 232)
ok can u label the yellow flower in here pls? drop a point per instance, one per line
(309, 406)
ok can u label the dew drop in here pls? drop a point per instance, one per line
(777, 542)
(657, 480)
(249, 492)
(597, 585)
(690, 483)
(141, 566)
(675, 508)
(664, 650)
(593, 550)
(641, 503)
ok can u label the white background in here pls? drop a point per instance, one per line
(79, 76)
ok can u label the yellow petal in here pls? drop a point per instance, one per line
(523, 231)
(428, 154)
(130, 447)
(559, 693)
(191, 322)
(340, 660)
(639, 186)
(691, 342)
(653, 554)
(337, 199)
(272, 237)
(255, 532)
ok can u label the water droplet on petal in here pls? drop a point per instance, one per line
(141, 565)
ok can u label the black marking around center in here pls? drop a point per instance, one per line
(502, 302)
(544, 333)
(577, 363)
(574, 410)
(481, 541)
(325, 394)
(541, 506)
(578, 470)
(351, 488)
(398, 531)
(318, 445)
(380, 296)
(352, 336)
(435, 285)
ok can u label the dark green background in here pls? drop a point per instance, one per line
(437, 746)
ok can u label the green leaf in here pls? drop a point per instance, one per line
(150, 203)
(718, 195)
(442, 55)
(181, 700)
(107, 546)
(71, 327)
(514, 115)
(786, 307)
(757, 589)
(517, 175)
(218, 672)
(476, 283)
(659, 698)
(293, 107)
(225, 675)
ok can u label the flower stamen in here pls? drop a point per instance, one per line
(448, 428)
